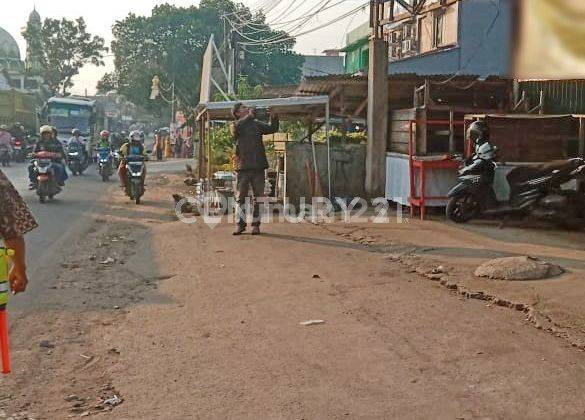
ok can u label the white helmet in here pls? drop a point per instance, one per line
(46, 129)
(486, 151)
(135, 136)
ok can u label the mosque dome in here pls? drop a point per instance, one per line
(34, 16)
(8, 46)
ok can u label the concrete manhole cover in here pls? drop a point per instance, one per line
(518, 268)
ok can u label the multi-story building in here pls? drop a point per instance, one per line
(357, 50)
(464, 37)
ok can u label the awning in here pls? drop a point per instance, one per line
(292, 108)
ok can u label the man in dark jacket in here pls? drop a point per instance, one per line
(251, 161)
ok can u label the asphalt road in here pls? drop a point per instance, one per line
(61, 224)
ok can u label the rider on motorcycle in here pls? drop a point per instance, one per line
(48, 143)
(134, 147)
(77, 143)
(18, 131)
(5, 137)
(104, 140)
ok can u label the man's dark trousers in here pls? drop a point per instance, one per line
(245, 178)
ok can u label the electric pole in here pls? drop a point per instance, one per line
(377, 103)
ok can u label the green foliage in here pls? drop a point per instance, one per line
(222, 145)
(296, 129)
(171, 42)
(62, 48)
(337, 137)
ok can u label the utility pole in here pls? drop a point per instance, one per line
(377, 104)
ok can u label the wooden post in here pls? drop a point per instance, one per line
(201, 153)
(452, 145)
(208, 172)
(581, 137)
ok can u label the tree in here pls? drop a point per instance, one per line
(170, 44)
(64, 47)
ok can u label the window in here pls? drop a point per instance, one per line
(438, 28)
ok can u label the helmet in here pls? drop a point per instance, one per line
(135, 136)
(46, 129)
(76, 132)
(4, 127)
(478, 132)
(486, 151)
(105, 134)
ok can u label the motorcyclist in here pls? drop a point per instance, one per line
(5, 137)
(478, 133)
(17, 131)
(134, 147)
(77, 143)
(104, 140)
(48, 143)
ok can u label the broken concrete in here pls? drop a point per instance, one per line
(518, 269)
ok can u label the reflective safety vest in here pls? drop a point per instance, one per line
(5, 257)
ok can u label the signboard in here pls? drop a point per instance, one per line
(551, 42)
(206, 73)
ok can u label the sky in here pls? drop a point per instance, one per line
(101, 14)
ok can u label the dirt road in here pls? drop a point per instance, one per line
(186, 322)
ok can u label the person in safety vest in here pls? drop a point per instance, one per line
(133, 147)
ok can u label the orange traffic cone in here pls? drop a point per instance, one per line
(5, 255)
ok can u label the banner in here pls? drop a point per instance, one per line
(551, 43)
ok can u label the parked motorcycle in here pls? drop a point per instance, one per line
(76, 160)
(105, 163)
(47, 185)
(4, 155)
(534, 191)
(135, 172)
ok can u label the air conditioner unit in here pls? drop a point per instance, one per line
(395, 51)
(408, 46)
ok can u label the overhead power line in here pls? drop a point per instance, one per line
(292, 36)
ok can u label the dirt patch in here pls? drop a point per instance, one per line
(454, 278)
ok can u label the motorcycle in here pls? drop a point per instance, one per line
(76, 160)
(105, 164)
(535, 191)
(19, 150)
(47, 185)
(135, 172)
(4, 155)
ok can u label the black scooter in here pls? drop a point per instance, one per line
(534, 191)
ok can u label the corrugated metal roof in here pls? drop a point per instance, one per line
(285, 107)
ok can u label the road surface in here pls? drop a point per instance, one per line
(63, 221)
(188, 322)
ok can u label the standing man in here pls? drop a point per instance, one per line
(250, 161)
(15, 221)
